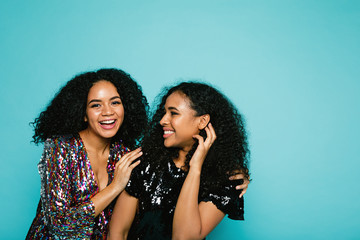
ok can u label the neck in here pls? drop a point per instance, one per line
(180, 160)
(93, 142)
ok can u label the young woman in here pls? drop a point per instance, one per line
(87, 130)
(182, 190)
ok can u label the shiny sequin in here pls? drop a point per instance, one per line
(65, 210)
(158, 192)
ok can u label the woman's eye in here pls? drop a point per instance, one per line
(174, 113)
(116, 103)
(95, 105)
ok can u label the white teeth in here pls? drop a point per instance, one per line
(107, 122)
(168, 132)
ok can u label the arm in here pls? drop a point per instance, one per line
(63, 217)
(122, 217)
(122, 174)
(191, 219)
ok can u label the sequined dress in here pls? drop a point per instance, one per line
(65, 210)
(158, 192)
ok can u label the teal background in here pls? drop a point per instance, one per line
(291, 67)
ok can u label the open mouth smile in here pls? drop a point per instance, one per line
(168, 133)
(107, 124)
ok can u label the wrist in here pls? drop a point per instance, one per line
(115, 188)
(196, 171)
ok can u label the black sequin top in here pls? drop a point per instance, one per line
(158, 194)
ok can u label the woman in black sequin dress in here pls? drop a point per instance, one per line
(181, 190)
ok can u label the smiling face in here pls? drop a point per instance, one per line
(180, 122)
(104, 110)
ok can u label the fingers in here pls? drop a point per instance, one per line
(126, 164)
(134, 164)
(242, 186)
(200, 139)
(242, 192)
(211, 135)
(237, 176)
(212, 130)
(129, 157)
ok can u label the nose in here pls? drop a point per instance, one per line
(107, 110)
(164, 120)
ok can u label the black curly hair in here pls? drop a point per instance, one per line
(228, 154)
(65, 113)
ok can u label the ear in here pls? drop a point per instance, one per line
(204, 120)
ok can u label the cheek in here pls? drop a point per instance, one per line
(92, 115)
(120, 113)
(189, 131)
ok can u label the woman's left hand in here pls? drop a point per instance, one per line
(198, 158)
(244, 186)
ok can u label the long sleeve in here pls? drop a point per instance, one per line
(68, 210)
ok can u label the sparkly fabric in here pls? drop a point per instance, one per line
(158, 194)
(65, 210)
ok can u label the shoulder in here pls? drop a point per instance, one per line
(143, 169)
(60, 145)
(226, 198)
(118, 147)
(63, 140)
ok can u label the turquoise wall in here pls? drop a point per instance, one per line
(291, 67)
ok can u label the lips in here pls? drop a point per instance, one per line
(108, 124)
(168, 133)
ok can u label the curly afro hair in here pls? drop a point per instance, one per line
(65, 113)
(228, 154)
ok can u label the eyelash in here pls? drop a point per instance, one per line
(95, 105)
(174, 113)
(116, 103)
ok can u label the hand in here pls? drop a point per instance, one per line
(198, 158)
(124, 167)
(244, 186)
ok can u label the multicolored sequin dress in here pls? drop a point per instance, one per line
(65, 210)
(158, 192)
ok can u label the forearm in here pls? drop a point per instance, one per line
(122, 217)
(187, 219)
(102, 199)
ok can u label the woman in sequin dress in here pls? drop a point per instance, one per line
(182, 190)
(87, 131)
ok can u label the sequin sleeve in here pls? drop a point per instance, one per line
(226, 199)
(63, 218)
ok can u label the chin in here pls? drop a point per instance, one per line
(167, 145)
(108, 135)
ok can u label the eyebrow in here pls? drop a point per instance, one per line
(97, 100)
(173, 108)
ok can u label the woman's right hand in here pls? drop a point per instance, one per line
(123, 169)
(201, 151)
